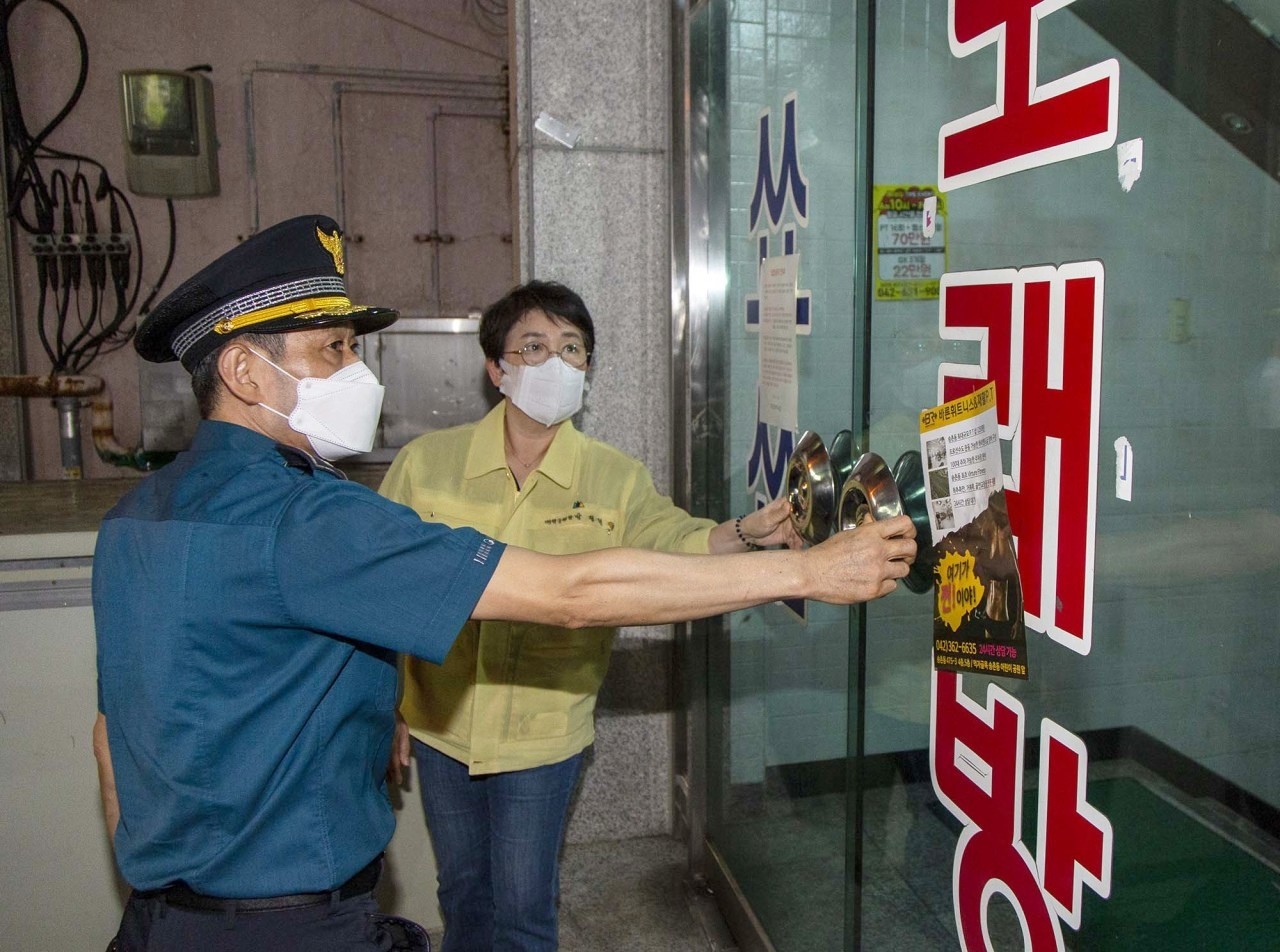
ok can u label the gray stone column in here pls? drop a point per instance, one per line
(594, 214)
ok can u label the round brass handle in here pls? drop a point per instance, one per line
(811, 490)
(869, 493)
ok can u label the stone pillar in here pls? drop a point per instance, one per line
(594, 214)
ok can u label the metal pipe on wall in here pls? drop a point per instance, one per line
(68, 393)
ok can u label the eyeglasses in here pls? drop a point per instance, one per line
(535, 354)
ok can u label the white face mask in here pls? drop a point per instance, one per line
(549, 393)
(338, 414)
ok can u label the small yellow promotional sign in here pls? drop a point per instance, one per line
(960, 590)
(910, 249)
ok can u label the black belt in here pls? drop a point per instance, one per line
(184, 897)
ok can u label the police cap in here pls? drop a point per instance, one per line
(285, 278)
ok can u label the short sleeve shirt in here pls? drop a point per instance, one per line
(515, 695)
(248, 614)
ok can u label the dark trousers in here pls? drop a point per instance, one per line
(340, 925)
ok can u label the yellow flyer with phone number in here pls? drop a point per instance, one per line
(978, 626)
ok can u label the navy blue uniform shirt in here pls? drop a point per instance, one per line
(248, 615)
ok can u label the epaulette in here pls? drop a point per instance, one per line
(295, 458)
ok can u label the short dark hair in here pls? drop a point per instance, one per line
(205, 382)
(551, 297)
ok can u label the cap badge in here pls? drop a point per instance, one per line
(333, 245)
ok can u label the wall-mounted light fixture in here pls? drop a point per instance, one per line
(1236, 123)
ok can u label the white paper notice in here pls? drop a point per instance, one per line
(960, 445)
(779, 393)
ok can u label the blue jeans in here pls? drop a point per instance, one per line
(497, 843)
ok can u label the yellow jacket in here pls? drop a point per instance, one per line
(510, 695)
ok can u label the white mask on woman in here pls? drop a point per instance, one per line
(549, 393)
(337, 414)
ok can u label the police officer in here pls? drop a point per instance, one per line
(249, 605)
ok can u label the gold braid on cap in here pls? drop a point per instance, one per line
(307, 307)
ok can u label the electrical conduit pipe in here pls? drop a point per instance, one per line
(68, 392)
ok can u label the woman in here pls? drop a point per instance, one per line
(498, 731)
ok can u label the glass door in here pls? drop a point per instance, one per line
(1111, 238)
(773, 245)
(1078, 202)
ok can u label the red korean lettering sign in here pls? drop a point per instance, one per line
(1074, 847)
(1029, 124)
(1039, 336)
(976, 764)
(1039, 332)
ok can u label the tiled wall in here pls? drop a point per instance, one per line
(1185, 615)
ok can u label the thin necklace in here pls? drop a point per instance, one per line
(512, 450)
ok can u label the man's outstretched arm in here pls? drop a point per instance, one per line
(614, 587)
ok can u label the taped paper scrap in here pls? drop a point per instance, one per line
(1124, 469)
(1129, 160)
(562, 132)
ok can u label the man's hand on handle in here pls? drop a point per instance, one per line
(860, 564)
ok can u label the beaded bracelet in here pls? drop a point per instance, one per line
(737, 527)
